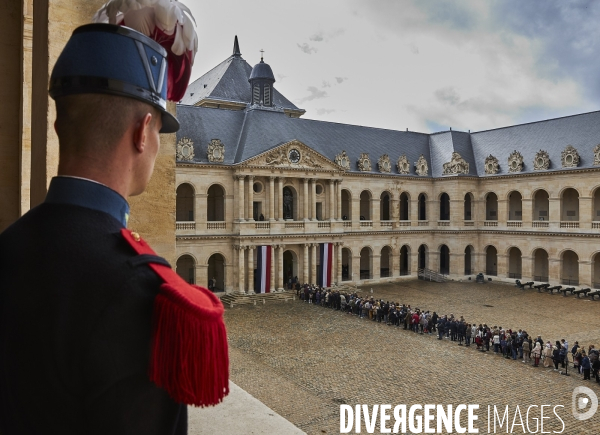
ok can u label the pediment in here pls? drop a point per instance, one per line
(293, 155)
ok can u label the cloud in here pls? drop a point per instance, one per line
(318, 37)
(340, 80)
(326, 84)
(447, 95)
(325, 37)
(325, 111)
(414, 49)
(307, 48)
(281, 77)
(314, 94)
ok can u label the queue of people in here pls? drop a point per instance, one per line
(505, 342)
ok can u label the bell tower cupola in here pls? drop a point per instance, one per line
(261, 81)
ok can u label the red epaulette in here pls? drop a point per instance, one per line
(189, 357)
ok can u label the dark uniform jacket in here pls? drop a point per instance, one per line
(75, 324)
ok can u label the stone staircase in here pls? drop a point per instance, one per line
(430, 275)
(233, 299)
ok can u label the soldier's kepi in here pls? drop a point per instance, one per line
(189, 357)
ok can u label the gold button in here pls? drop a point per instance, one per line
(135, 236)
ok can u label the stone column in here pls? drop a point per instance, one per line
(228, 270)
(502, 265)
(305, 209)
(585, 272)
(273, 271)
(457, 212)
(414, 210)
(271, 198)
(585, 212)
(313, 263)
(305, 264)
(527, 210)
(376, 266)
(338, 264)
(313, 199)
(280, 277)
(250, 212)
(241, 270)
(457, 264)
(201, 275)
(356, 268)
(338, 191)
(527, 268)
(240, 198)
(250, 253)
(554, 212)
(554, 271)
(502, 212)
(414, 261)
(279, 212)
(331, 199)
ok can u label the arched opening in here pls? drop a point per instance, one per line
(216, 272)
(290, 201)
(444, 260)
(469, 260)
(384, 207)
(491, 261)
(540, 265)
(514, 263)
(596, 271)
(346, 205)
(405, 260)
(491, 207)
(444, 207)
(569, 205)
(423, 257)
(365, 205)
(186, 268)
(422, 207)
(404, 206)
(215, 204)
(346, 264)
(541, 205)
(570, 268)
(385, 262)
(366, 260)
(185, 203)
(515, 207)
(596, 205)
(290, 268)
(468, 210)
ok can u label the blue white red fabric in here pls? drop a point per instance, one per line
(326, 253)
(264, 269)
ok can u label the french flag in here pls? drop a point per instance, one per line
(264, 269)
(326, 251)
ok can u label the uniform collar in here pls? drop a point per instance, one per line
(89, 194)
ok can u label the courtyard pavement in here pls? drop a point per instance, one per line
(303, 361)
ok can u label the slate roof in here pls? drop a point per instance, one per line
(250, 132)
(228, 81)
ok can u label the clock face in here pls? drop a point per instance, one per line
(294, 155)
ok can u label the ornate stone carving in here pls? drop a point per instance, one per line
(541, 161)
(491, 165)
(276, 157)
(515, 162)
(185, 149)
(216, 151)
(403, 165)
(309, 160)
(597, 155)
(570, 157)
(364, 163)
(343, 160)
(421, 167)
(456, 165)
(384, 164)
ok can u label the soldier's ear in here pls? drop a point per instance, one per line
(141, 132)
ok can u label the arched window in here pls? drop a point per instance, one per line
(366, 262)
(540, 265)
(444, 260)
(404, 206)
(365, 205)
(215, 204)
(569, 205)
(422, 207)
(469, 251)
(491, 207)
(468, 210)
(405, 260)
(216, 273)
(444, 207)
(346, 205)
(289, 203)
(186, 268)
(570, 268)
(386, 262)
(596, 206)
(541, 206)
(514, 263)
(185, 203)
(423, 257)
(515, 208)
(346, 264)
(491, 261)
(596, 271)
(384, 207)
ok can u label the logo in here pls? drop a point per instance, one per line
(580, 403)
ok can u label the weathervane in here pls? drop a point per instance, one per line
(261, 54)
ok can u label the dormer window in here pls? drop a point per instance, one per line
(256, 94)
(267, 98)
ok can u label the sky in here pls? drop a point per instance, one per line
(422, 65)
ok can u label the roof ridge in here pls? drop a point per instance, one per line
(364, 126)
(537, 122)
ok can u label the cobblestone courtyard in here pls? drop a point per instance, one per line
(304, 361)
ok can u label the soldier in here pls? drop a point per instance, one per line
(104, 337)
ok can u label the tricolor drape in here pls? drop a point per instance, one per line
(326, 251)
(263, 269)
